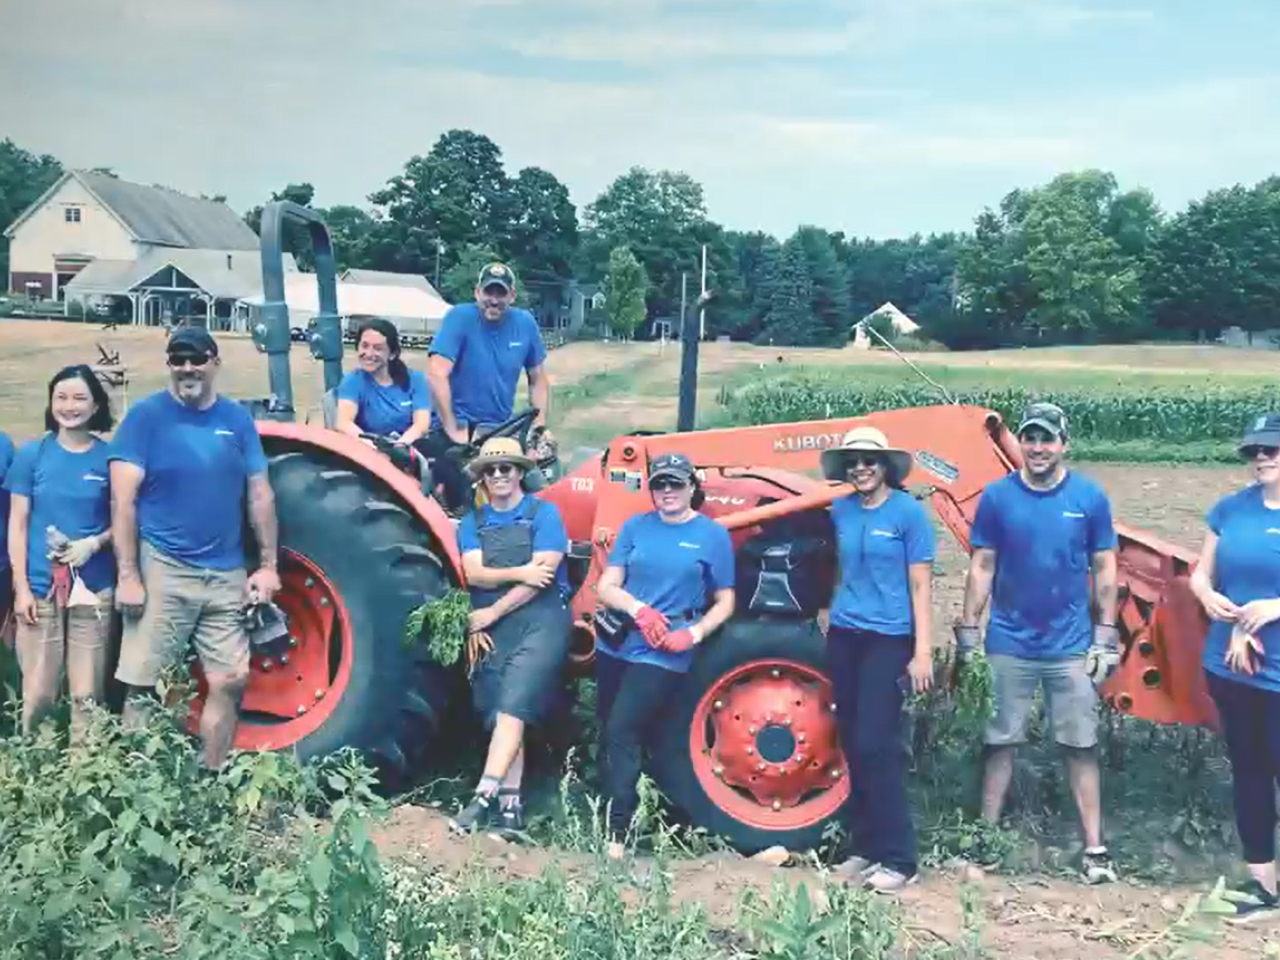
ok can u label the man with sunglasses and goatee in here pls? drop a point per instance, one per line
(183, 464)
(1038, 536)
(513, 551)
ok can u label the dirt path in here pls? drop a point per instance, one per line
(1049, 919)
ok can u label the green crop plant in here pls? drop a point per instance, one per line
(443, 622)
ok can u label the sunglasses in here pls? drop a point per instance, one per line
(854, 463)
(663, 483)
(1251, 452)
(185, 359)
(499, 469)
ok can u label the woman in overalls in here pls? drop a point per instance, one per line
(59, 547)
(513, 551)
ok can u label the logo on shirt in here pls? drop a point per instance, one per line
(1273, 529)
(97, 478)
(1073, 514)
(405, 403)
(224, 433)
(515, 343)
(883, 533)
(689, 546)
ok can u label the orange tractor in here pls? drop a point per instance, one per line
(751, 749)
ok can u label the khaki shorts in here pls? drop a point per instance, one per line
(1069, 695)
(75, 636)
(185, 605)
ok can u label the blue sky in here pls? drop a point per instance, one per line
(875, 117)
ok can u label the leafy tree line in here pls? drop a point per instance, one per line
(1075, 260)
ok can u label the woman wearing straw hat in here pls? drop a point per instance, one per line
(878, 647)
(513, 551)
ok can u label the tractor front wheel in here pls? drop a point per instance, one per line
(751, 751)
(353, 565)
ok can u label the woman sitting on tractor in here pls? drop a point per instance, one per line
(666, 568)
(513, 551)
(59, 536)
(878, 647)
(383, 397)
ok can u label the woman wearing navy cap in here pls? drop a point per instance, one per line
(1237, 581)
(671, 571)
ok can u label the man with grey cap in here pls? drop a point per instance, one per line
(474, 369)
(1038, 535)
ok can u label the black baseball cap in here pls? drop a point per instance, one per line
(1262, 431)
(674, 465)
(1047, 416)
(189, 340)
(497, 274)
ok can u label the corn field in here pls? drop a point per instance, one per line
(1162, 415)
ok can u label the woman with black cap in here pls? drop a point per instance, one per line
(878, 647)
(1237, 581)
(671, 572)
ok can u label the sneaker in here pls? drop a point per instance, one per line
(477, 815)
(854, 868)
(511, 814)
(1252, 902)
(1098, 867)
(887, 880)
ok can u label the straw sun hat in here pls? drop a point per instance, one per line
(865, 440)
(499, 450)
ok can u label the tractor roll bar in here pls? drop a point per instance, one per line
(271, 332)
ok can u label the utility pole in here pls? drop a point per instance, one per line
(702, 314)
(687, 412)
(437, 283)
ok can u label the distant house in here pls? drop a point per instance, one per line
(563, 304)
(157, 253)
(385, 278)
(902, 325)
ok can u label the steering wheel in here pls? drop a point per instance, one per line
(405, 456)
(516, 426)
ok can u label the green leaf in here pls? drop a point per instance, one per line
(129, 819)
(117, 885)
(346, 939)
(338, 782)
(151, 842)
(285, 922)
(320, 870)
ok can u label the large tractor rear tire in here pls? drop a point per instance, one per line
(354, 564)
(751, 751)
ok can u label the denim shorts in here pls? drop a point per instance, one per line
(1071, 700)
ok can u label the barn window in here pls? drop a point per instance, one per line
(71, 214)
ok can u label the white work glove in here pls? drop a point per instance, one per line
(76, 553)
(1103, 656)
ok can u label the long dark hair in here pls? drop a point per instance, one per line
(395, 366)
(102, 420)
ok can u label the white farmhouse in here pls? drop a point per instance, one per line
(153, 254)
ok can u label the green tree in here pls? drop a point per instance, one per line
(830, 321)
(1061, 263)
(455, 197)
(542, 237)
(1217, 263)
(759, 258)
(625, 286)
(658, 216)
(458, 283)
(349, 231)
(790, 319)
(24, 176)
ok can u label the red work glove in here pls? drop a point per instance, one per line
(678, 641)
(653, 626)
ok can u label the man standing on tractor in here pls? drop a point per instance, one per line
(1037, 536)
(474, 368)
(181, 464)
(513, 551)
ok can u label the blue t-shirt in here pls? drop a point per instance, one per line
(384, 410)
(70, 491)
(197, 462)
(676, 568)
(1246, 566)
(487, 359)
(876, 548)
(1044, 542)
(6, 458)
(548, 532)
